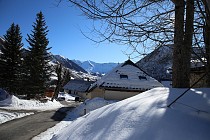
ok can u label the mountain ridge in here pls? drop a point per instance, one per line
(158, 62)
(68, 63)
(94, 67)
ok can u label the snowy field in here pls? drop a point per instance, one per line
(144, 116)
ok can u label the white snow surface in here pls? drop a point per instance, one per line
(67, 96)
(147, 117)
(13, 104)
(88, 105)
(7, 116)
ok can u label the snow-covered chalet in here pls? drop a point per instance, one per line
(124, 81)
(77, 87)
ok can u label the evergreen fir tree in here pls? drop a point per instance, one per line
(38, 58)
(11, 60)
(2, 65)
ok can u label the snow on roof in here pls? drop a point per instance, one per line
(78, 85)
(127, 76)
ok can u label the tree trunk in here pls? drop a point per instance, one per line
(178, 74)
(187, 48)
(182, 43)
(58, 71)
(207, 45)
(208, 55)
(208, 4)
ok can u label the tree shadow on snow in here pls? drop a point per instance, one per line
(61, 113)
(187, 118)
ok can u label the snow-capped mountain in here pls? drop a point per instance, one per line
(68, 63)
(93, 67)
(76, 71)
(157, 63)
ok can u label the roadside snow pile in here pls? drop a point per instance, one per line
(146, 116)
(90, 105)
(67, 96)
(7, 116)
(14, 103)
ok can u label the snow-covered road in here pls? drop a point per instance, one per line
(30, 126)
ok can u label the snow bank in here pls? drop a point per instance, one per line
(146, 116)
(14, 103)
(7, 116)
(89, 105)
(67, 96)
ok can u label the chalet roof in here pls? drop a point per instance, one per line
(127, 76)
(78, 85)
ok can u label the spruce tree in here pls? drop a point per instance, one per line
(38, 58)
(11, 60)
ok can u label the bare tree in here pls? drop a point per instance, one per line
(202, 33)
(58, 71)
(129, 22)
(145, 25)
(204, 9)
(182, 42)
(63, 77)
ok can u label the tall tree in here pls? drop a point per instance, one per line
(145, 24)
(11, 60)
(38, 58)
(202, 33)
(182, 42)
(206, 34)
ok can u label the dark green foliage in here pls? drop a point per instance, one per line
(10, 60)
(38, 58)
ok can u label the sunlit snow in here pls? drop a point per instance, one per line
(144, 116)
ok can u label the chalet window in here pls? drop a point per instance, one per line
(122, 76)
(142, 77)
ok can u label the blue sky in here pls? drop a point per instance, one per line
(64, 23)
